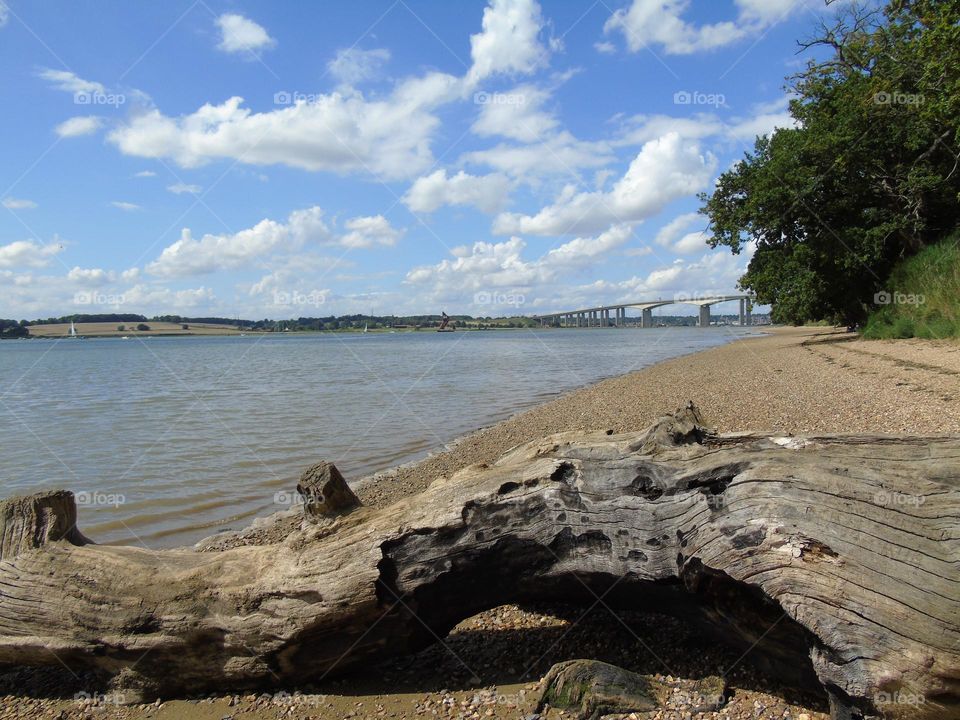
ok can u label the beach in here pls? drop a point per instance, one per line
(794, 380)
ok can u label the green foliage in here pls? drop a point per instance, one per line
(923, 299)
(867, 178)
(143, 327)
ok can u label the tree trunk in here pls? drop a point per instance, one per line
(834, 560)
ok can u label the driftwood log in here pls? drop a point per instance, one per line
(833, 560)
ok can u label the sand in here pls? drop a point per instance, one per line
(793, 380)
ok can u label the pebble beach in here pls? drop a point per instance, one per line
(793, 381)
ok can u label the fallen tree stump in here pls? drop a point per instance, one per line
(834, 561)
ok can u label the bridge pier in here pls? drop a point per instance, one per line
(704, 320)
(646, 318)
(743, 315)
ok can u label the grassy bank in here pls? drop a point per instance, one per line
(923, 299)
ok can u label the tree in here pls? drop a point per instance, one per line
(143, 327)
(868, 176)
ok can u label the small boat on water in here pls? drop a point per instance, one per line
(73, 332)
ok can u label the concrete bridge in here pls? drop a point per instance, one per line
(600, 316)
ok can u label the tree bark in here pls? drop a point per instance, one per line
(834, 560)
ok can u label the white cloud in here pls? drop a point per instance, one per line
(605, 48)
(210, 253)
(128, 206)
(77, 126)
(90, 277)
(241, 34)
(367, 232)
(145, 174)
(27, 253)
(559, 154)
(71, 82)
(352, 66)
(18, 204)
(496, 266)
(4, 13)
(508, 41)
(486, 192)
(664, 170)
(340, 132)
(660, 23)
(767, 117)
(515, 114)
(181, 188)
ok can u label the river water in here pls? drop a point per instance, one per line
(169, 440)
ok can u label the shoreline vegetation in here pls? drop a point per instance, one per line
(799, 380)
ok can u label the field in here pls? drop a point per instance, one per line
(109, 329)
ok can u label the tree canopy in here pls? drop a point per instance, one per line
(867, 177)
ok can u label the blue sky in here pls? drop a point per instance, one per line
(286, 159)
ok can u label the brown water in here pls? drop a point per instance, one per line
(169, 440)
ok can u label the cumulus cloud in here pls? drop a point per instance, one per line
(486, 192)
(11, 203)
(352, 66)
(559, 154)
(664, 170)
(4, 13)
(239, 34)
(365, 232)
(494, 266)
(189, 256)
(339, 132)
(27, 253)
(77, 126)
(508, 41)
(676, 234)
(660, 23)
(90, 277)
(515, 114)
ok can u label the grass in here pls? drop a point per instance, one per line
(925, 294)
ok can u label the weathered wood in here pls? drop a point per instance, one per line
(834, 560)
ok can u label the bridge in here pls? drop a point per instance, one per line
(600, 316)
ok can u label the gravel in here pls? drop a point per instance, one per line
(792, 381)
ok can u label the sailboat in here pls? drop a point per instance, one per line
(73, 332)
(365, 328)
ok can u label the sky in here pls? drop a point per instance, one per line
(260, 159)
